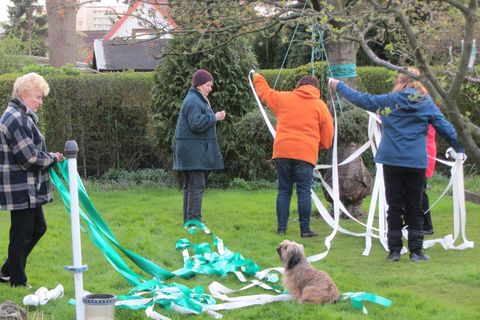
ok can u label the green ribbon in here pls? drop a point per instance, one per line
(347, 70)
(203, 261)
(356, 299)
(100, 235)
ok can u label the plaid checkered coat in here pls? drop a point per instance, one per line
(24, 161)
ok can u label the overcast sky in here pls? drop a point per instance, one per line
(4, 3)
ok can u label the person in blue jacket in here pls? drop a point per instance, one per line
(405, 113)
(196, 150)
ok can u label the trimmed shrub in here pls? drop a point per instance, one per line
(107, 114)
(112, 118)
(253, 147)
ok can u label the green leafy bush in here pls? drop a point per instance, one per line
(253, 147)
(109, 115)
(239, 183)
(43, 70)
(144, 177)
(116, 127)
(12, 55)
(229, 64)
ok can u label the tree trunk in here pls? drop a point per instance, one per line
(61, 15)
(355, 181)
(29, 29)
(342, 52)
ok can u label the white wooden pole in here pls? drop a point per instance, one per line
(71, 151)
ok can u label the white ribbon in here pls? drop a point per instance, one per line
(459, 211)
(378, 203)
(221, 292)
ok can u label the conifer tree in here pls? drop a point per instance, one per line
(27, 22)
(203, 47)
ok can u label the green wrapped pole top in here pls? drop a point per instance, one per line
(71, 149)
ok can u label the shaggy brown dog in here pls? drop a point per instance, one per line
(302, 281)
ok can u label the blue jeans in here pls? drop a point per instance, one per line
(292, 171)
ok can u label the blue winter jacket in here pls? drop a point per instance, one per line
(196, 146)
(405, 118)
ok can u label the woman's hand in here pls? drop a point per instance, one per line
(333, 83)
(220, 115)
(59, 156)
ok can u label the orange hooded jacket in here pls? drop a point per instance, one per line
(304, 123)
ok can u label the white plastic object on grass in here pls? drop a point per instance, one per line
(43, 295)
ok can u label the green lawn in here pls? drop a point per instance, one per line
(149, 221)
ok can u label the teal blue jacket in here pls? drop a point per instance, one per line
(405, 118)
(196, 146)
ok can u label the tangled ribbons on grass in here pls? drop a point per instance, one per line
(205, 259)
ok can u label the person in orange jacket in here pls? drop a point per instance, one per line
(304, 125)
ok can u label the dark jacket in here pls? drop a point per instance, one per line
(196, 146)
(405, 118)
(24, 161)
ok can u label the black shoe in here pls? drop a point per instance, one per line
(418, 256)
(281, 231)
(308, 234)
(23, 286)
(428, 231)
(3, 277)
(393, 256)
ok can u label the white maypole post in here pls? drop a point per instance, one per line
(71, 151)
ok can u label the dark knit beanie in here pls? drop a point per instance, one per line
(200, 77)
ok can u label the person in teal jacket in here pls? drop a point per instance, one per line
(196, 149)
(405, 113)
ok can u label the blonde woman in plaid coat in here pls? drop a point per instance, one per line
(24, 175)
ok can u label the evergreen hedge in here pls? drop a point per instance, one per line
(111, 117)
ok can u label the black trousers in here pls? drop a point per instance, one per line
(27, 227)
(193, 188)
(404, 189)
(427, 217)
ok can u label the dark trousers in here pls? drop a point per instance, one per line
(404, 189)
(427, 218)
(292, 171)
(27, 227)
(193, 188)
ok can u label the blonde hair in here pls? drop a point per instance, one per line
(408, 82)
(28, 83)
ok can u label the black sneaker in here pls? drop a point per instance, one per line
(23, 286)
(418, 256)
(3, 277)
(281, 231)
(308, 234)
(393, 256)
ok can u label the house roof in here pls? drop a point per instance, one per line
(89, 36)
(127, 20)
(117, 55)
(123, 28)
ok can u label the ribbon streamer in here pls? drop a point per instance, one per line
(356, 299)
(378, 205)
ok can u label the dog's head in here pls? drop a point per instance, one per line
(291, 253)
